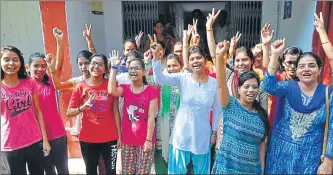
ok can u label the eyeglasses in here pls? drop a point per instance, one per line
(135, 68)
(94, 63)
(289, 63)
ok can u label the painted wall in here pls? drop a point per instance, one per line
(17, 30)
(298, 29)
(79, 14)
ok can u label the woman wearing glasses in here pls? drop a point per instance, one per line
(100, 127)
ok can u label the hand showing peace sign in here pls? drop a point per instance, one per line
(319, 22)
(87, 31)
(211, 19)
(88, 104)
(115, 58)
(138, 39)
(235, 40)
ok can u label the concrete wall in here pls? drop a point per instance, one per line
(298, 29)
(21, 26)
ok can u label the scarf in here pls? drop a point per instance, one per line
(166, 91)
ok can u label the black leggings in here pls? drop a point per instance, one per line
(92, 151)
(58, 157)
(32, 155)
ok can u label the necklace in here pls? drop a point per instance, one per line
(143, 86)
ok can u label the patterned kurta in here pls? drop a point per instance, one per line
(297, 138)
(243, 133)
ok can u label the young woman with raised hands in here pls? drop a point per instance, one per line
(192, 133)
(100, 132)
(245, 123)
(55, 130)
(138, 121)
(23, 133)
(297, 137)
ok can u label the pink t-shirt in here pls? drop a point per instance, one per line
(19, 126)
(48, 105)
(135, 115)
(98, 123)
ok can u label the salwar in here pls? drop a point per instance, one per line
(179, 159)
(135, 160)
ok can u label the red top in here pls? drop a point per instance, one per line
(98, 124)
(134, 122)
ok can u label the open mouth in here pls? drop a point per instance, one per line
(133, 74)
(10, 69)
(196, 66)
(307, 75)
(251, 96)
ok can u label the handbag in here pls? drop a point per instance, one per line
(326, 125)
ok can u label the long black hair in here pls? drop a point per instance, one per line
(35, 56)
(22, 73)
(262, 112)
(142, 64)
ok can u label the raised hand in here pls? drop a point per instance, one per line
(49, 59)
(89, 103)
(58, 34)
(222, 48)
(147, 56)
(151, 39)
(187, 33)
(115, 58)
(87, 31)
(155, 50)
(138, 39)
(266, 35)
(319, 22)
(235, 40)
(195, 35)
(211, 19)
(278, 46)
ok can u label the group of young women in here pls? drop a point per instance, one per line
(182, 99)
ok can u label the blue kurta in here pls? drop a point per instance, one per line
(243, 133)
(297, 136)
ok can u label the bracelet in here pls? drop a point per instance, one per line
(114, 67)
(326, 42)
(214, 135)
(79, 109)
(185, 46)
(210, 30)
(53, 72)
(148, 140)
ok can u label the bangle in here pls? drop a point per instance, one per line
(79, 109)
(185, 46)
(210, 30)
(148, 140)
(326, 42)
(114, 67)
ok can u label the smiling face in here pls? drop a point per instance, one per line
(38, 68)
(173, 66)
(289, 64)
(97, 67)
(197, 62)
(249, 90)
(308, 70)
(136, 71)
(242, 62)
(10, 63)
(158, 28)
